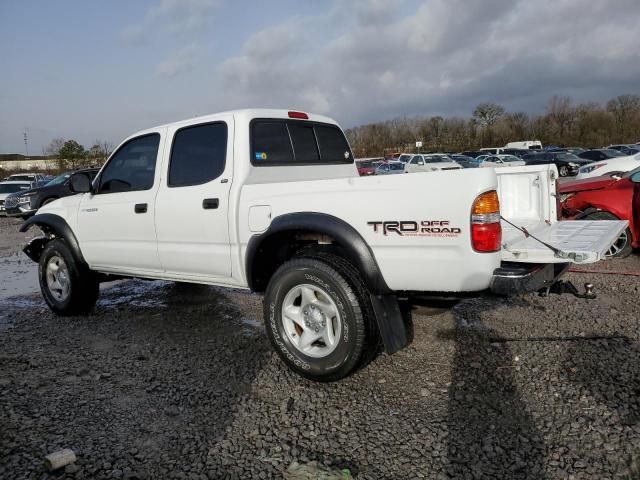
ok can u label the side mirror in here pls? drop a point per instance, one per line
(635, 178)
(80, 183)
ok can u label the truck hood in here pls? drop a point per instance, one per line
(595, 183)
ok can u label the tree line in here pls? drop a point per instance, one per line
(71, 155)
(563, 123)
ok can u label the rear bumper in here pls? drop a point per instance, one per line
(514, 278)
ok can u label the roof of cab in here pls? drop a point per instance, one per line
(247, 114)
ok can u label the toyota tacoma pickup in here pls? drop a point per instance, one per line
(271, 201)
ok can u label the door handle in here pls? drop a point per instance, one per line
(210, 203)
(140, 208)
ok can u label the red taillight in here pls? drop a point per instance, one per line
(300, 115)
(486, 237)
(486, 231)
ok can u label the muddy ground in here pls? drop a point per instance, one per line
(173, 381)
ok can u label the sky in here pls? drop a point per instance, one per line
(103, 70)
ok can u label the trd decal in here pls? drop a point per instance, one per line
(410, 228)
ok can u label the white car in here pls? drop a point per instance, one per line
(430, 163)
(8, 187)
(613, 165)
(271, 201)
(495, 161)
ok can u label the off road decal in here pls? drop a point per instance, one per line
(411, 228)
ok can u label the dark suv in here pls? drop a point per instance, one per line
(567, 163)
(27, 202)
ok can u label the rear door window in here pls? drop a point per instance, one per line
(198, 154)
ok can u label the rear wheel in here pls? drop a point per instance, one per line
(68, 288)
(319, 317)
(622, 247)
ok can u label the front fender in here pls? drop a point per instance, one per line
(53, 226)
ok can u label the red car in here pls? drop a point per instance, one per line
(367, 166)
(606, 198)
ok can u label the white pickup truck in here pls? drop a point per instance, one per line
(271, 201)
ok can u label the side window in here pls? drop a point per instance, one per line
(198, 154)
(132, 167)
(271, 143)
(305, 147)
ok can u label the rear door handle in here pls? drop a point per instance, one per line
(210, 203)
(140, 208)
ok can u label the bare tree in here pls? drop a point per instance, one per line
(488, 113)
(54, 147)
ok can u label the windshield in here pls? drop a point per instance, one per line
(510, 158)
(437, 158)
(567, 156)
(12, 187)
(21, 178)
(612, 153)
(365, 164)
(59, 179)
(396, 166)
(404, 158)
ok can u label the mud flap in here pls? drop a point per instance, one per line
(390, 322)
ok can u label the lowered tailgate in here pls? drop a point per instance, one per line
(577, 241)
(528, 202)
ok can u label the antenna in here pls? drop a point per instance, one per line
(26, 145)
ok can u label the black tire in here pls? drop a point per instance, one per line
(563, 171)
(623, 247)
(344, 286)
(83, 286)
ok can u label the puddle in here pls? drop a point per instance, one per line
(18, 276)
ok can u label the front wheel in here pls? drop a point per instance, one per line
(318, 317)
(564, 171)
(67, 287)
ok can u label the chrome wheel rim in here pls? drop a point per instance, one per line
(618, 246)
(311, 320)
(58, 281)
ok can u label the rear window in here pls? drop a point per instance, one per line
(284, 142)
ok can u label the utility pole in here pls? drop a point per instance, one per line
(26, 145)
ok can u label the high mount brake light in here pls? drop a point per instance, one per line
(486, 231)
(300, 115)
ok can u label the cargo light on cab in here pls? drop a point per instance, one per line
(300, 115)
(486, 231)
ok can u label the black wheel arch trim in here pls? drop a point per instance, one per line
(344, 235)
(52, 225)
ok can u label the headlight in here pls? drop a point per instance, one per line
(24, 200)
(571, 164)
(566, 196)
(591, 168)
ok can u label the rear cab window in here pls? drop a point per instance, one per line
(297, 142)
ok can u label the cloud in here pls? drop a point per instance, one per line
(178, 61)
(181, 17)
(443, 57)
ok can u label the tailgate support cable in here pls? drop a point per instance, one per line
(556, 251)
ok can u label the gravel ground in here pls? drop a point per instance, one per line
(173, 381)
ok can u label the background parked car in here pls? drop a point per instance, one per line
(405, 157)
(574, 150)
(367, 166)
(26, 202)
(11, 186)
(626, 149)
(430, 163)
(606, 198)
(612, 162)
(502, 161)
(464, 161)
(390, 168)
(567, 163)
(26, 177)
